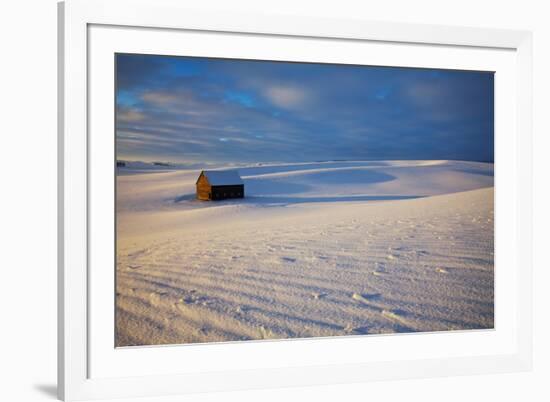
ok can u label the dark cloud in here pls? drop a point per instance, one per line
(198, 109)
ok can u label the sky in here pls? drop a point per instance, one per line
(199, 110)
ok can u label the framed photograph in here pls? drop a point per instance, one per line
(253, 201)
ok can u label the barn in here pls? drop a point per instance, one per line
(219, 185)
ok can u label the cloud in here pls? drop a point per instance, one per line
(129, 115)
(200, 109)
(286, 97)
(159, 98)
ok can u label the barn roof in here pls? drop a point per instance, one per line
(222, 177)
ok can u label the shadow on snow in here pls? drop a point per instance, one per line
(285, 200)
(284, 190)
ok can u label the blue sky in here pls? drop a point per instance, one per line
(185, 109)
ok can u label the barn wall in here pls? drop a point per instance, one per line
(224, 192)
(207, 192)
(203, 189)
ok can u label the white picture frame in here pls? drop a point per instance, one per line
(80, 378)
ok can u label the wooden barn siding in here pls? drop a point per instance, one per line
(207, 192)
(203, 188)
(220, 190)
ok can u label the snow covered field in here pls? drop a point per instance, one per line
(315, 249)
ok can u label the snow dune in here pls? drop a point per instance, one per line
(315, 249)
